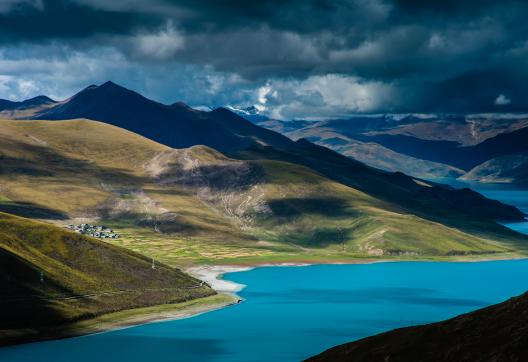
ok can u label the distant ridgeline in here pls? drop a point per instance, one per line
(478, 147)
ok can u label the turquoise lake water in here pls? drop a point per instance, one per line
(291, 313)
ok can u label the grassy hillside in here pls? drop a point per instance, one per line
(496, 333)
(50, 276)
(197, 205)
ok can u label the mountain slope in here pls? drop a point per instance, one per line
(197, 204)
(51, 276)
(496, 333)
(24, 109)
(464, 209)
(452, 153)
(226, 131)
(38, 101)
(374, 154)
(176, 125)
(506, 169)
(428, 146)
(409, 138)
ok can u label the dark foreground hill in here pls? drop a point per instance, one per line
(50, 276)
(496, 333)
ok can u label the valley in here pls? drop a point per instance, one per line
(183, 206)
(260, 181)
(251, 197)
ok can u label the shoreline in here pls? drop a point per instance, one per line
(211, 274)
(119, 320)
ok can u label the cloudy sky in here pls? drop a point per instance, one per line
(290, 58)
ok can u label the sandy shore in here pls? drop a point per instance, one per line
(212, 275)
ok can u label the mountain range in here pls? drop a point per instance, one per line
(475, 147)
(183, 186)
(179, 126)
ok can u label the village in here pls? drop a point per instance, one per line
(96, 231)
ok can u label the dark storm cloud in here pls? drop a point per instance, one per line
(27, 21)
(394, 55)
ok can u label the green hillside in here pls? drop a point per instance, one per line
(50, 277)
(192, 205)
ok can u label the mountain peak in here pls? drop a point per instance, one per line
(106, 90)
(110, 84)
(180, 104)
(42, 99)
(27, 103)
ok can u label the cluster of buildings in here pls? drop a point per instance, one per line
(96, 231)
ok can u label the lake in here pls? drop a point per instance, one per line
(291, 313)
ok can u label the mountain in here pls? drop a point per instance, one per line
(187, 205)
(28, 103)
(376, 155)
(506, 169)
(178, 125)
(426, 146)
(496, 333)
(440, 203)
(250, 113)
(451, 152)
(403, 142)
(175, 125)
(241, 127)
(251, 148)
(24, 109)
(52, 277)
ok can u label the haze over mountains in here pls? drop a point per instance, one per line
(479, 147)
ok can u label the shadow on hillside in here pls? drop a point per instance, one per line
(328, 207)
(22, 304)
(236, 176)
(45, 162)
(166, 223)
(32, 211)
(19, 166)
